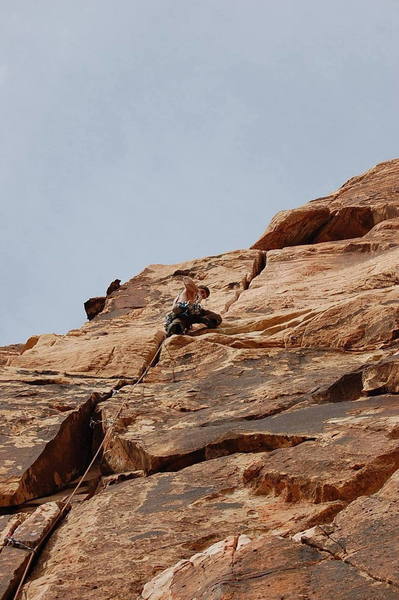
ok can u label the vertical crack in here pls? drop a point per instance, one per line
(257, 267)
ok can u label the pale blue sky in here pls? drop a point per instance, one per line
(162, 130)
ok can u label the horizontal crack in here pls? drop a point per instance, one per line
(135, 456)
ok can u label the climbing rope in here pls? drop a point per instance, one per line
(67, 501)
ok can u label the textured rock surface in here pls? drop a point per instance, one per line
(93, 306)
(169, 517)
(123, 339)
(350, 212)
(364, 534)
(230, 408)
(9, 352)
(45, 438)
(269, 568)
(258, 460)
(23, 536)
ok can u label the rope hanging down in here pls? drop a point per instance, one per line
(67, 500)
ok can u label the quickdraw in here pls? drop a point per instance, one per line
(17, 544)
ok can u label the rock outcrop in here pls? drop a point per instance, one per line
(257, 460)
(354, 209)
(94, 306)
(8, 352)
(45, 434)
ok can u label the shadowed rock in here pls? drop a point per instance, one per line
(94, 306)
(115, 285)
(45, 438)
(284, 418)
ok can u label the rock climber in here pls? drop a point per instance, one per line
(187, 309)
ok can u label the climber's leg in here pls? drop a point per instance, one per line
(209, 318)
(178, 325)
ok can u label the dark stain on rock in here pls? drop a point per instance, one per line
(148, 534)
(228, 505)
(161, 499)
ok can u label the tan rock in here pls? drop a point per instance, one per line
(45, 438)
(382, 377)
(356, 453)
(364, 534)
(241, 569)
(350, 212)
(205, 400)
(32, 341)
(144, 526)
(285, 418)
(35, 527)
(124, 338)
(293, 227)
(9, 352)
(170, 516)
(224, 551)
(340, 294)
(20, 544)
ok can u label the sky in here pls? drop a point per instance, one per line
(157, 131)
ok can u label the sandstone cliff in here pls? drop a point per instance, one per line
(258, 460)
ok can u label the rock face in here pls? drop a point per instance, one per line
(8, 352)
(257, 460)
(19, 539)
(124, 337)
(93, 306)
(354, 209)
(45, 437)
(270, 568)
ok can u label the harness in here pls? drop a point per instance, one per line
(185, 309)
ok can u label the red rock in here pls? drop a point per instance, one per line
(93, 306)
(284, 418)
(240, 569)
(25, 538)
(334, 294)
(382, 377)
(355, 454)
(45, 438)
(219, 400)
(350, 212)
(8, 352)
(293, 227)
(124, 338)
(143, 526)
(364, 535)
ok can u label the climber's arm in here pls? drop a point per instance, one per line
(190, 289)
